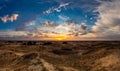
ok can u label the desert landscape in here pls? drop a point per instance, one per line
(59, 35)
(59, 55)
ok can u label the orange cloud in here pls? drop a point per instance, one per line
(5, 18)
(11, 19)
(48, 23)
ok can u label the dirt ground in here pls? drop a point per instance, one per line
(59, 55)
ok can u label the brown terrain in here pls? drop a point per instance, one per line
(59, 56)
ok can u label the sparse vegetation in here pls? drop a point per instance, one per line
(44, 69)
(63, 56)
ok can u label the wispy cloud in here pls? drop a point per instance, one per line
(30, 23)
(13, 33)
(11, 18)
(56, 9)
(64, 18)
(86, 5)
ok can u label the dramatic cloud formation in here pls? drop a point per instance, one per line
(72, 29)
(76, 19)
(11, 18)
(108, 23)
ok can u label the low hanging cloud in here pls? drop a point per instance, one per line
(108, 23)
(13, 33)
(48, 30)
(66, 29)
(9, 18)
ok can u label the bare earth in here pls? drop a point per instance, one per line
(59, 56)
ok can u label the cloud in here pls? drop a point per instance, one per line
(12, 33)
(48, 30)
(57, 9)
(86, 5)
(49, 11)
(21, 34)
(79, 29)
(30, 23)
(66, 29)
(62, 5)
(48, 23)
(64, 18)
(108, 23)
(11, 18)
(26, 25)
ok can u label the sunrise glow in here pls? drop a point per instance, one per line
(59, 19)
(60, 38)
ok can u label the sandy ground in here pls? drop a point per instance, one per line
(59, 56)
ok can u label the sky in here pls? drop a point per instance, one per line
(59, 20)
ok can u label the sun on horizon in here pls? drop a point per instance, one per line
(59, 38)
